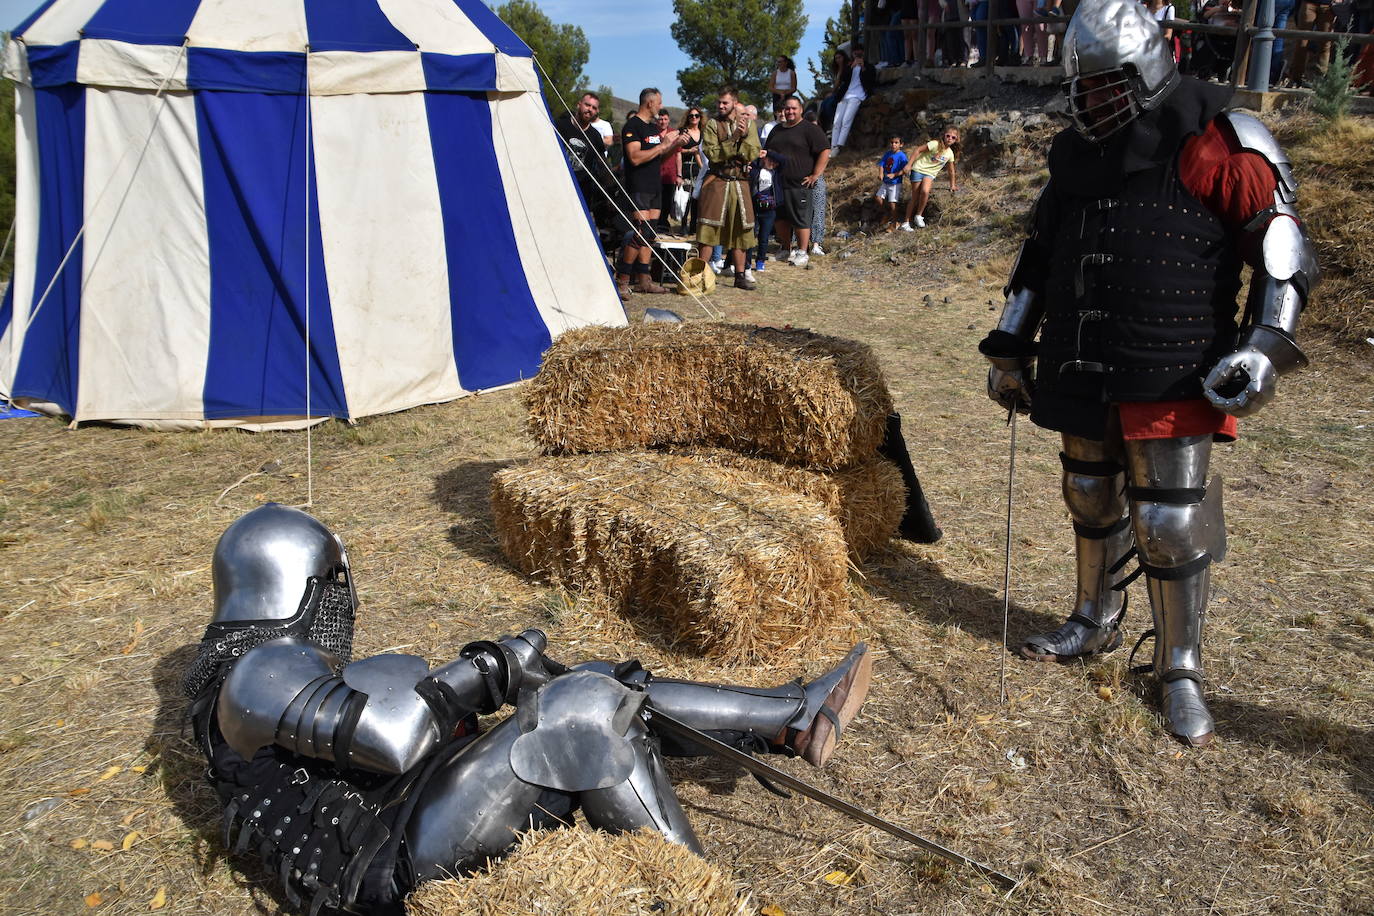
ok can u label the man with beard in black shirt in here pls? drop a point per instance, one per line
(644, 148)
(586, 156)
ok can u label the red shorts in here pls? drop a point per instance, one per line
(1174, 419)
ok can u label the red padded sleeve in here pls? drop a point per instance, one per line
(1230, 181)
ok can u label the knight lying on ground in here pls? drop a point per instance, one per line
(355, 780)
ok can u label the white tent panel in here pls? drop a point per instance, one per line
(343, 72)
(436, 26)
(395, 341)
(563, 263)
(241, 26)
(118, 63)
(516, 74)
(25, 230)
(146, 241)
(61, 22)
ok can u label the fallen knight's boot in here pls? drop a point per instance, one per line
(795, 719)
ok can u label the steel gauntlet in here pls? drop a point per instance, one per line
(1010, 349)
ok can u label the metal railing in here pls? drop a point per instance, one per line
(1245, 33)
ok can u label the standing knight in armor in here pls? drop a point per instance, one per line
(355, 780)
(1130, 276)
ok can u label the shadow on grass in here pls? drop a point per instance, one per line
(181, 770)
(920, 588)
(1303, 735)
(465, 491)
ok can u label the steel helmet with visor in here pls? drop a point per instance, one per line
(1117, 65)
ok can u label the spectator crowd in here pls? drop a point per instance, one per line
(735, 183)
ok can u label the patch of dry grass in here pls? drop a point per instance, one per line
(582, 872)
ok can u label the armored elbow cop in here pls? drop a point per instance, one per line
(382, 713)
(1281, 284)
(1279, 291)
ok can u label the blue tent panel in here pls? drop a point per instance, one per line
(459, 72)
(143, 22)
(55, 65)
(500, 34)
(498, 333)
(49, 363)
(352, 25)
(240, 71)
(255, 199)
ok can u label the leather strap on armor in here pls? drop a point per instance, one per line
(1090, 468)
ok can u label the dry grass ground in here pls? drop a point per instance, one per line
(105, 543)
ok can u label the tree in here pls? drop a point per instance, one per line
(734, 42)
(837, 32)
(561, 49)
(1332, 92)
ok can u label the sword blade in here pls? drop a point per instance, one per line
(668, 724)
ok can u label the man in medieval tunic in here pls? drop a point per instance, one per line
(1129, 277)
(353, 780)
(725, 213)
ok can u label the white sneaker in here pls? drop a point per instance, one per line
(920, 222)
(749, 274)
(718, 266)
(906, 227)
(792, 257)
(816, 248)
(802, 259)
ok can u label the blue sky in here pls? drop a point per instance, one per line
(631, 45)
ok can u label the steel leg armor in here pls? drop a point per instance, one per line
(1094, 490)
(646, 798)
(1180, 531)
(474, 807)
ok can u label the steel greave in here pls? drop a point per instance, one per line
(472, 808)
(1179, 608)
(1095, 557)
(645, 799)
(741, 717)
(1170, 536)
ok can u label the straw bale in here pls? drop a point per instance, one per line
(788, 394)
(709, 559)
(867, 499)
(585, 872)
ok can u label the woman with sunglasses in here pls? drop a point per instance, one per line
(693, 164)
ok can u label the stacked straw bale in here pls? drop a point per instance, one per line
(584, 872)
(793, 395)
(708, 558)
(867, 499)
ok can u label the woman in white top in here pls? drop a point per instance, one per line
(784, 80)
(853, 87)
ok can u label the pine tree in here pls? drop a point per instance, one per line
(561, 49)
(734, 42)
(1332, 92)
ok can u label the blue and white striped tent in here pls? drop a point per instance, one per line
(253, 212)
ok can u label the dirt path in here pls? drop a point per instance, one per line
(105, 541)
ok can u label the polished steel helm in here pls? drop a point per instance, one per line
(1118, 66)
(264, 561)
